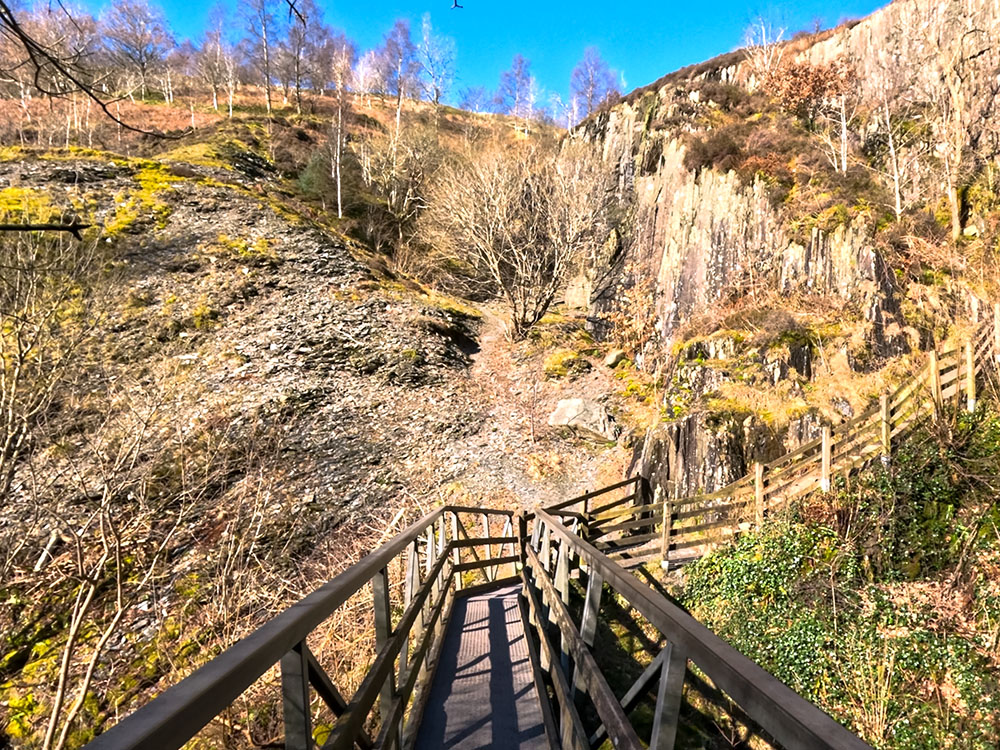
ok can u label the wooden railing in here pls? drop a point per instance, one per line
(642, 525)
(555, 556)
(450, 552)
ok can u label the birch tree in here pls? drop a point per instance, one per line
(137, 37)
(436, 55)
(592, 81)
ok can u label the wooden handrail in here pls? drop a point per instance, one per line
(182, 710)
(793, 721)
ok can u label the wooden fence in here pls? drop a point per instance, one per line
(634, 528)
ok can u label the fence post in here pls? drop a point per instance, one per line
(666, 716)
(935, 369)
(668, 526)
(561, 582)
(383, 630)
(970, 377)
(522, 538)
(456, 555)
(295, 699)
(411, 584)
(591, 613)
(824, 481)
(758, 487)
(886, 423)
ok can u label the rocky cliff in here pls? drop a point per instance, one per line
(735, 212)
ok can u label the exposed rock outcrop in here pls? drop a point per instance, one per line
(585, 418)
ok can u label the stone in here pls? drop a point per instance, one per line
(615, 357)
(585, 418)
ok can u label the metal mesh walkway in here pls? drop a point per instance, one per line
(483, 694)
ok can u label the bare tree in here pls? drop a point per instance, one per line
(369, 75)
(514, 93)
(399, 57)
(963, 91)
(397, 170)
(592, 81)
(138, 38)
(764, 49)
(894, 110)
(297, 56)
(474, 99)
(342, 63)
(45, 319)
(263, 28)
(110, 541)
(436, 55)
(211, 64)
(522, 215)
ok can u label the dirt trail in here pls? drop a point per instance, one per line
(516, 457)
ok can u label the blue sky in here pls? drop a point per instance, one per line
(643, 40)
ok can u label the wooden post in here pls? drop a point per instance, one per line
(522, 534)
(295, 699)
(824, 481)
(561, 581)
(758, 487)
(668, 526)
(666, 717)
(383, 630)
(456, 555)
(561, 577)
(885, 418)
(591, 614)
(935, 373)
(970, 377)
(411, 583)
(485, 520)
(996, 331)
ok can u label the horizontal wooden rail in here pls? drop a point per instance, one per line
(794, 722)
(182, 710)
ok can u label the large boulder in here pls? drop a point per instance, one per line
(587, 419)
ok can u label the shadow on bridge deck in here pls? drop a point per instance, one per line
(483, 694)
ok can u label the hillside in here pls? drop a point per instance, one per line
(272, 342)
(240, 400)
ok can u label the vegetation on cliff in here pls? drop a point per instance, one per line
(879, 601)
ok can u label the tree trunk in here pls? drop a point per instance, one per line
(340, 149)
(267, 66)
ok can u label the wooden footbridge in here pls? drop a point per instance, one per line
(492, 645)
(502, 629)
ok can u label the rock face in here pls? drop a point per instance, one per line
(587, 419)
(700, 238)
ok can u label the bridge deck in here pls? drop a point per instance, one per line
(483, 694)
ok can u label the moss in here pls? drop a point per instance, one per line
(138, 300)
(11, 153)
(136, 209)
(563, 363)
(21, 709)
(26, 204)
(199, 154)
(258, 253)
(451, 306)
(204, 316)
